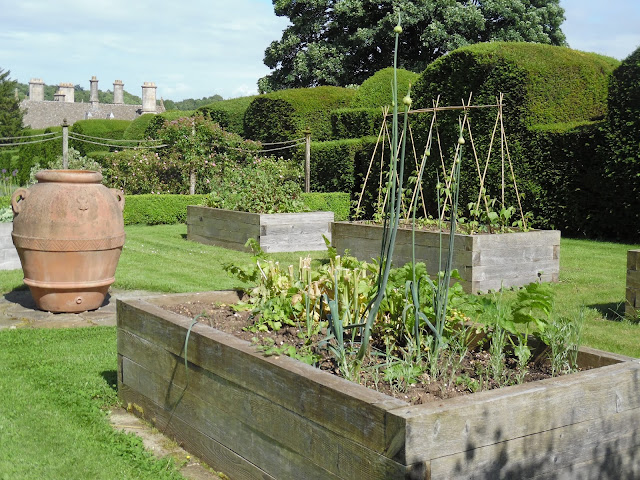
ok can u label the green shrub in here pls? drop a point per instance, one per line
(37, 153)
(264, 185)
(158, 209)
(229, 114)
(375, 91)
(157, 122)
(335, 202)
(355, 122)
(309, 107)
(137, 128)
(99, 128)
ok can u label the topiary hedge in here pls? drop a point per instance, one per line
(99, 128)
(229, 114)
(308, 107)
(552, 96)
(542, 84)
(375, 91)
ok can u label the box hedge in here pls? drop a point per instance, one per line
(38, 153)
(170, 209)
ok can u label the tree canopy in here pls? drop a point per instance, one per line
(10, 113)
(342, 42)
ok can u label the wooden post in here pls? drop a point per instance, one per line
(307, 161)
(192, 173)
(65, 144)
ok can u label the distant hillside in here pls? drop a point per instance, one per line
(190, 103)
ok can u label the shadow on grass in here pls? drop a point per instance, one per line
(111, 377)
(610, 311)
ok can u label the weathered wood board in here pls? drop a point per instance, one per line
(485, 262)
(273, 417)
(632, 305)
(275, 232)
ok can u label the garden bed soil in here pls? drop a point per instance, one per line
(472, 375)
(256, 416)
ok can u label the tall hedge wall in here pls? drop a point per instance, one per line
(355, 122)
(620, 154)
(38, 153)
(309, 107)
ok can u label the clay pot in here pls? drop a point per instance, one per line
(69, 232)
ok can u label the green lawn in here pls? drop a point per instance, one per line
(56, 385)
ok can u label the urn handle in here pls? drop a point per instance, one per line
(119, 196)
(17, 198)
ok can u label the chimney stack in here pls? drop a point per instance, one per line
(68, 91)
(36, 90)
(149, 97)
(118, 92)
(93, 98)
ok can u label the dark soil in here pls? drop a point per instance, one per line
(472, 375)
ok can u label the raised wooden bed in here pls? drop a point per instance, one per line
(632, 305)
(252, 416)
(485, 262)
(276, 232)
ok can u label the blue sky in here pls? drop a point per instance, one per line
(197, 48)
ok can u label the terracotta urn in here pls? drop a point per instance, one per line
(69, 232)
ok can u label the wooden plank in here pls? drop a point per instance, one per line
(515, 256)
(218, 243)
(343, 407)
(274, 219)
(547, 452)
(224, 231)
(213, 453)
(272, 457)
(485, 418)
(633, 279)
(633, 260)
(488, 272)
(232, 216)
(517, 239)
(239, 413)
(608, 466)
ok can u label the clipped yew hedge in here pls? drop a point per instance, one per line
(554, 101)
(355, 122)
(620, 154)
(286, 114)
(375, 91)
(229, 114)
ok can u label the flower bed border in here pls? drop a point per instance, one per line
(484, 261)
(252, 416)
(276, 232)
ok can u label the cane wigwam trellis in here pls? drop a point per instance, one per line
(483, 205)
